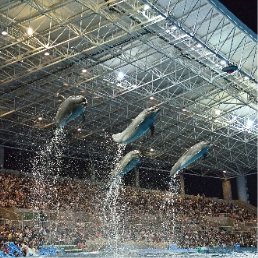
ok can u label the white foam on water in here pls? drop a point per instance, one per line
(213, 253)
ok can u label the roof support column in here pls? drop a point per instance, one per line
(93, 173)
(137, 177)
(242, 189)
(182, 184)
(1, 157)
(227, 193)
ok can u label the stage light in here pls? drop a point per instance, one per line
(30, 31)
(229, 69)
(120, 75)
(249, 123)
(217, 112)
(146, 7)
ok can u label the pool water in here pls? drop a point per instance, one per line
(209, 253)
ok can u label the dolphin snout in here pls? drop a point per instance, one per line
(84, 102)
(138, 153)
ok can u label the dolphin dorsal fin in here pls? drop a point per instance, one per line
(152, 129)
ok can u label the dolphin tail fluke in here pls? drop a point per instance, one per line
(152, 129)
(174, 170)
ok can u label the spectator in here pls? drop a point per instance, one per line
(160, 216)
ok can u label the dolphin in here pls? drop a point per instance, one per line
(195, 152)
(127, 163)
(71, 108)
(138, 126)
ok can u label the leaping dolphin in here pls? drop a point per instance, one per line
(195, 152)
(71, 108)
(138, 127)
(127, 163)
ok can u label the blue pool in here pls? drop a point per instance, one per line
(158, 253)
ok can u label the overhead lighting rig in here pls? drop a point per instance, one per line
(229, 69)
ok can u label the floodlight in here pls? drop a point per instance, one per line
(120, 75)
(30, 31)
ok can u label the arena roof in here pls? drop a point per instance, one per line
(169, 53)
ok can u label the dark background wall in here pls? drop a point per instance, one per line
(153, 178)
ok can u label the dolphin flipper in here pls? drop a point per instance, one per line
(152, 129)
(69, 117)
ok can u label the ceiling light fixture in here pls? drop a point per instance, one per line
(4, 32)
(249, 123)
(46, 53)
(217, 112)
(146, 7)
(84, 70)
(229, 69)
(30, 31)
(120, 75)
(223, 62)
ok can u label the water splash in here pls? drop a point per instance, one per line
(46, 168)
(174, 187)
(113, 224)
